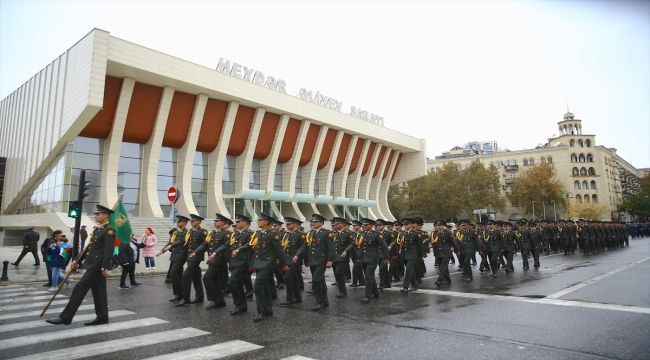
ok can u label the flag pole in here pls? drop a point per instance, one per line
(77, 261)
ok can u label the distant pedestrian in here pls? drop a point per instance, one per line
(83, 235)
(128, 256)
(46, 257)
(30, 245)
(59, 252)
(149, 251)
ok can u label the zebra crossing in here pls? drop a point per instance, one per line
(17, 319)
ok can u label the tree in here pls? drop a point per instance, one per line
(587, 211)
(636, 204)
(645, 185)
(483, 187)
(537, 183)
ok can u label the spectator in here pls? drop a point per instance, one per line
(59, 253)
(149, 251)
(83, 235)
(128, 256)
(46, 257)
(30, 245)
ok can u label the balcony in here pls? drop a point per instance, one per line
(510, 180)
(511, 167)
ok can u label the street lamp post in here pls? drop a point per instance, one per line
(534, 210)
(554, 213)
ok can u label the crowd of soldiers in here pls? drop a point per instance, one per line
(393, 249)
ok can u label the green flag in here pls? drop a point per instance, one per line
(119, 220)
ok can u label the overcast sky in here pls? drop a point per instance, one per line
(448, 72)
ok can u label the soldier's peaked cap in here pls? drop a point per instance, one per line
(195, 217)
(337, 220)
(380, 222)
(182, 218)
(101, 209)
(463, 222)
(267, 217)
(242, 217)
(440, 222)
(317, 218)
(366, 221)
(491, 222)
(419, 220)
(356, 223)
(220, 217)
(398, 223)
(289, 220)
(407, 221)
(390, 223)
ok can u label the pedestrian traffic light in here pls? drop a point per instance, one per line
(74, 209)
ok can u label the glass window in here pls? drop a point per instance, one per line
(199, 186)
(254, 177)
(532, 161)
(199, 172)
(277, 179)
(576, 185)
(550, 159)
(88, 145)
(593, 184)
(87, 161)
(576, 172)
(166, 168)
(130, 165)
(127, 180)
(131, 150)
(201, 158)
(316, 183)
(525, 162)
(165, 182)
(130, 196)
(299, 180)
(168, 154)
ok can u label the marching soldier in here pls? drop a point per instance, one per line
(413, 250)
(493, 244)
(358, 278)
(443, 241)
(546, 234)
(212, 279)
(384, 279)
(97, 265)
(291, 243)
(524, 242)
(582, 232)
(343, 245)
(319, 247)
(239, 262)
(510, 242)
(346, 268)
(178, 256)
(277, 271)
(192, 274)
(393, 271)
(266, 248)
(538, 242)
(466, 244)
(372, 243)
(487, 250)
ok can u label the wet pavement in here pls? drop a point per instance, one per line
(573, 307)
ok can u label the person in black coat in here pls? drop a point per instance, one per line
(128, 256)
(30, 245)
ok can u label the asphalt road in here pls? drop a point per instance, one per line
(573, 307)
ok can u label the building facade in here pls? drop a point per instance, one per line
(140, 121)
(590, 173)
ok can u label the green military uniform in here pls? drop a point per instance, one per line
(212, 279)
(97, 258)
(413, 249)
(238, 264)
(30, 245)
(373, 249)
(177, 258)
(510, 242)
(319, 248)
(443, 242)
(524, 243)
(493, 244)
(467, 242)
(358, 278)
(538, 242)
(343, 242)
(291, 243)
(192, 273)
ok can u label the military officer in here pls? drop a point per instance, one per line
(524, 241)
(373, 249)
(30, 245)
(545, 232)
(493, 243)
(97, 265)
(413, 249)
(192, 274)
(384, 279)
(291, 243)
(212, 279)
(239, 262)
(178, 255)
(343, 246)
(277, 271)
(487, 250)
(319, 248)
(510, 242)
(466, 244)
(538, 242)
(358, 278)
(393, 271)
(442, 241)
(266, 247)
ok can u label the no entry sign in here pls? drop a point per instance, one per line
(173, 194)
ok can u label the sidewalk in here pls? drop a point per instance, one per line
(25, 272)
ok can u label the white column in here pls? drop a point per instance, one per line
(268, 165)
(185, 161)
(113, 145)
(382, 200)
(149, 203)
(216, 160)
(375, 184)
(341, 176)
(364, 184)
(327, 173)
(245, 160)
(290, 171)
(354, 179)
(310, 171)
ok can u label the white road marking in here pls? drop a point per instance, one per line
(559, 294)
(22, 306)
(107, 347)
(38, 312)
(298, 357)
(216, 351)
(42, 323)
(73, 333)
(26, 293)
(44, 297)
(13, 288)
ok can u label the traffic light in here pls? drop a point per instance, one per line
(74, 209)
(83, 187)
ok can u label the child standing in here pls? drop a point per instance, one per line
(59, 253)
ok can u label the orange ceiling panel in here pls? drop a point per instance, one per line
(289, 140)
(267, 136)
(310, 144)
(328, 146)
(343, 152)
(212, 125)
(371, 151)
(100, 125)
(356, 156)
(143, 110)
(380, 158)
(241, 129)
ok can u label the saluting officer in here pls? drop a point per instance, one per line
(266, 250)
(291, 243)
(178, 255)
(373, 249)
(442, 241)
(192, 274)
(212, 279)
(413, 249)
(343, 245)
(319, 248)
(97, 264)
(239, 262)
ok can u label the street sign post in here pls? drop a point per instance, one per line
(173, 194)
